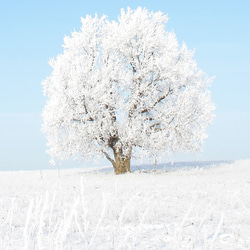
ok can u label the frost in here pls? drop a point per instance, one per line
(126, 89)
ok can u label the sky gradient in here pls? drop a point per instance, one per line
(33, 31)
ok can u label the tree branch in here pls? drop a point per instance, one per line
(154, 80)
(170, 91)
(80, 120)
(156, 124)
(108, 157)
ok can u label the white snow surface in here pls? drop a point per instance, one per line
(194, 208)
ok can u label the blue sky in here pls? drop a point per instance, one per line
(31, 32)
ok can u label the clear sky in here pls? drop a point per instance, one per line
(31, 32)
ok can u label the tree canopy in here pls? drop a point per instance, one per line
(124, 89)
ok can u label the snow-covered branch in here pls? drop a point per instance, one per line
(125, 87)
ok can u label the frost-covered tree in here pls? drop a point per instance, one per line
(125, 89)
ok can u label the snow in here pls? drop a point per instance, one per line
(177, 208)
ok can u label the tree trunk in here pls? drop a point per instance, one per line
(121, 163)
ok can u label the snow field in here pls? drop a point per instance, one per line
(84, 209)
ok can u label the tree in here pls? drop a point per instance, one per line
(125, 89)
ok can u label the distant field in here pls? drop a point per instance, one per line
(180, 206)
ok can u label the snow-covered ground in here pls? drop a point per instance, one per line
(193, 208)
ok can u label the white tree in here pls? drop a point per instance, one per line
(125, 89)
